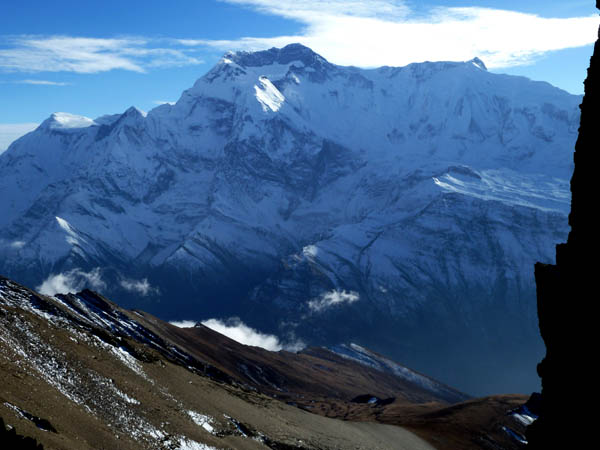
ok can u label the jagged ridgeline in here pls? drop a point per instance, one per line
(401, 207)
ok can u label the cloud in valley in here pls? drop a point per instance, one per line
(331, 299)
(184, 323)
(71, 282)
(237, 330)
(140, 287)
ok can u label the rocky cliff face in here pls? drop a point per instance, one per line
(567, 296)
(398, 207)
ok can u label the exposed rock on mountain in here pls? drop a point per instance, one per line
(399, 208)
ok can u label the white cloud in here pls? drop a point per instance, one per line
(184, 323)
(141, 287)
(310, 251)
(42, 82)
(10, 132)
(333, 298)
(17, 245)
(163, 102)
(311, 10)
(237, 330)
(12, 245)
(72, 281)
(372, 34)
(92, 55)
(347, 32)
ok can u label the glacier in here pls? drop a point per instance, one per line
(427, 191)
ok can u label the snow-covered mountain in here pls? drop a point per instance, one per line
(400, 207)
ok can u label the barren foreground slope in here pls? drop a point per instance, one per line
(77, 372)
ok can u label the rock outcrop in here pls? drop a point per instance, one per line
(566, 295)
(10, 439)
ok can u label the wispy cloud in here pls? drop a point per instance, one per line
(71, 282)
(10, 132)
(92, 55)
(347, 32)
(42, 82)
(17, 245)
(333, 298)
(140, 287)
(386, 32)
(237, 330)
(309, 11)
(11, 245)
(163, 102)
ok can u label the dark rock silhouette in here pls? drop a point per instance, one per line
(9, 439)
(566, 292)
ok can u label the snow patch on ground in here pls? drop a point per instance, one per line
(203, 421)
(366, 357)
(123, 356)
(523, 415)
(516, 436)
(188, 444)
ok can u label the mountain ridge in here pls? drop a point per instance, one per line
(105, 376)
(269, 188)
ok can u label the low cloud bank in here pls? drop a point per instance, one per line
(237, 330)
(184, 323)
(71, 282)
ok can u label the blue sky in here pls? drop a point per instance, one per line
(93, 58)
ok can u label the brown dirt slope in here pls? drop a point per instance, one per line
(316, 372)
(77, 372)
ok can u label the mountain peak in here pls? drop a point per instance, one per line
(132, 111)
(285, 55)
(478, 63)
(66, 121)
